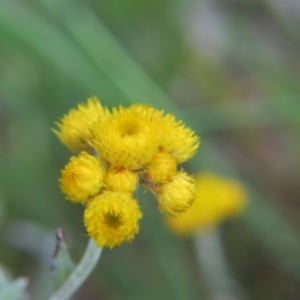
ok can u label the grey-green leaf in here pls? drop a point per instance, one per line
(15, 290)
(61, 265)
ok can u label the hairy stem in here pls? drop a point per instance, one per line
(86, 265)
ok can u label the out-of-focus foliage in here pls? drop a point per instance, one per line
(229, 69)
(12, 289)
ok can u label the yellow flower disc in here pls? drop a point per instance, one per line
(82, 177)
(75, 128)
(176, 195)
(217, 198)
(126, 140)
(161, 168)
(176, 139)
(121, 180)
(112, 218)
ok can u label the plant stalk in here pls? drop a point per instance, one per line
(86, 265)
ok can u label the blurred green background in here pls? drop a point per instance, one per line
(229, 69)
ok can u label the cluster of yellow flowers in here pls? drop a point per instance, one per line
(217, 198)
(130, 146)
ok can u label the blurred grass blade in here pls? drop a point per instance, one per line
(235, 115)
(169, 255)
(23, 26)
(110, 57)
(61, 265)
(275, 232)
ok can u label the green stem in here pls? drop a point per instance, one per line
(86, 265)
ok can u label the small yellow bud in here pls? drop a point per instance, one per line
(121, 180)
(82, 177)
(177, 195)
(161, 168)
(217, 198)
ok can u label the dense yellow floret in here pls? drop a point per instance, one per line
(217, 198)
(82, 177)
(121, 180)
(75, 128)
(177, 195)
(112, 218)
(125, 139)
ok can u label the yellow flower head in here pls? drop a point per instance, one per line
(121, 180)
(217, 198)
(125, 139)
(82, 177)
(176, 195)
(133, 145)
(176, 139)
(161, 168)
(112, 218)
(75, 128)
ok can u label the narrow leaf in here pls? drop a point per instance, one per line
(61, 265)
